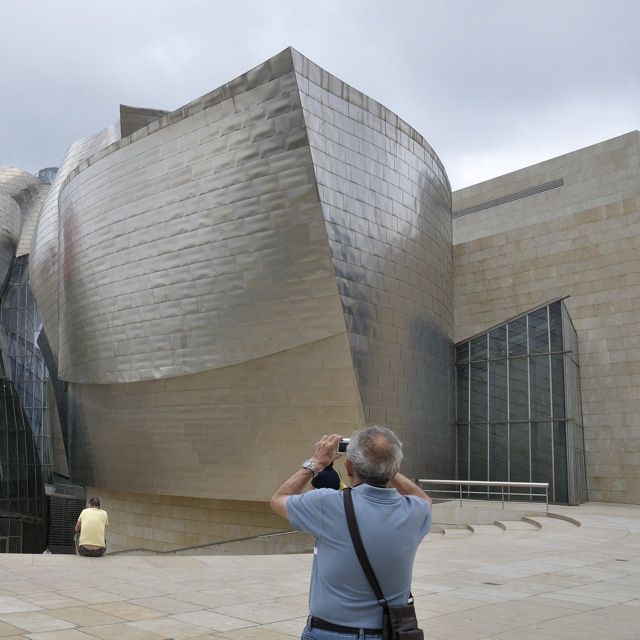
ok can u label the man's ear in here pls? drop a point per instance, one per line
(348, 468)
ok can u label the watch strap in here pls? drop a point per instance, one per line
(310, 465)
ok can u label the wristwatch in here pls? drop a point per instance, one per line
(311, 466)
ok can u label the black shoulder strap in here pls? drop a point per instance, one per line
(359, 547)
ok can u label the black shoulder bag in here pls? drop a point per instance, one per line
(399, 622)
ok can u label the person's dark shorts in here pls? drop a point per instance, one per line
(91, 552)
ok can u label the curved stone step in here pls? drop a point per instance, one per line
(456, 531)
(553, 523)
(487, 529)
(519, 526)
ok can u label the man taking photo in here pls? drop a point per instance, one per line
(393, 515)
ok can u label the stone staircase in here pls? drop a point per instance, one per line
(550, 523)
(450, 521)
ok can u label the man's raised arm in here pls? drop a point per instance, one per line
(324, 453)
(409, 488)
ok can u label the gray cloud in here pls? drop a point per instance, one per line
(493, 85)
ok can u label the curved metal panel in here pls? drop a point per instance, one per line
(30, 212)
(28, 193)
(10, 226)
(267, 263)
(198, 242)
(18, 184)
(229, 433)
(21, 196)
(43, 262)
(387, 203)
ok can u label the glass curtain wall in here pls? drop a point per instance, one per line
(22, 499)
(519, 416)
(25, 460)
(21, 320)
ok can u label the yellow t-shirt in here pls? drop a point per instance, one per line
(92, 524)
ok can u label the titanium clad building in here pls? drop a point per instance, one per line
(216, 287)
(220, 287)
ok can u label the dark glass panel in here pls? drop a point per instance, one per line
(20, 318)
(538, 331)
(462, 352)
(479, 348)
(560, 461)
(541, 454)
(498, 406)
(519, 453)
(518, 389)
(9, 321)
(462, 391)
(498, 452)
(569, 335)
(478, 452)
(23, 448)
(557, 385)
(555, 325)
(478, 397)
(10, 483)
(498, 343)
(4, 445)
(463, 452)
(518, 337)
(540, 390)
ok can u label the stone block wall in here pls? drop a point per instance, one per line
(582, 240)
(165, 523)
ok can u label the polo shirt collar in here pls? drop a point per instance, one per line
(378, 493)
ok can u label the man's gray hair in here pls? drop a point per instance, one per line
(375, 454)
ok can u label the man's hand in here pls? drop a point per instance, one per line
(325, 451)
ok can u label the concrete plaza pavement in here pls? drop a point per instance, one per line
(543, 578)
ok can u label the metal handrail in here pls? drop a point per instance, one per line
(491, 483)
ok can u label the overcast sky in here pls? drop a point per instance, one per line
(494, 85)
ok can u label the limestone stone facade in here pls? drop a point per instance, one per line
(569, 226)
(165, 523)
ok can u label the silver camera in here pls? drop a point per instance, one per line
(343, 444)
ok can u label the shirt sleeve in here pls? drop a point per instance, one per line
(425, 512)
(306, 511)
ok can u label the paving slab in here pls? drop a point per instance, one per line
(560, 581)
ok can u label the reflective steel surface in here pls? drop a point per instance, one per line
(266, 264)
(199, 245)
(20, 185)
(43, 263)
(233, 433)
(10, 226)
(20, 198)
(387, 204)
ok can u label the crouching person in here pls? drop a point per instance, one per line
(90, 530)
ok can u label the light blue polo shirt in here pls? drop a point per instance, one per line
(391, 525)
